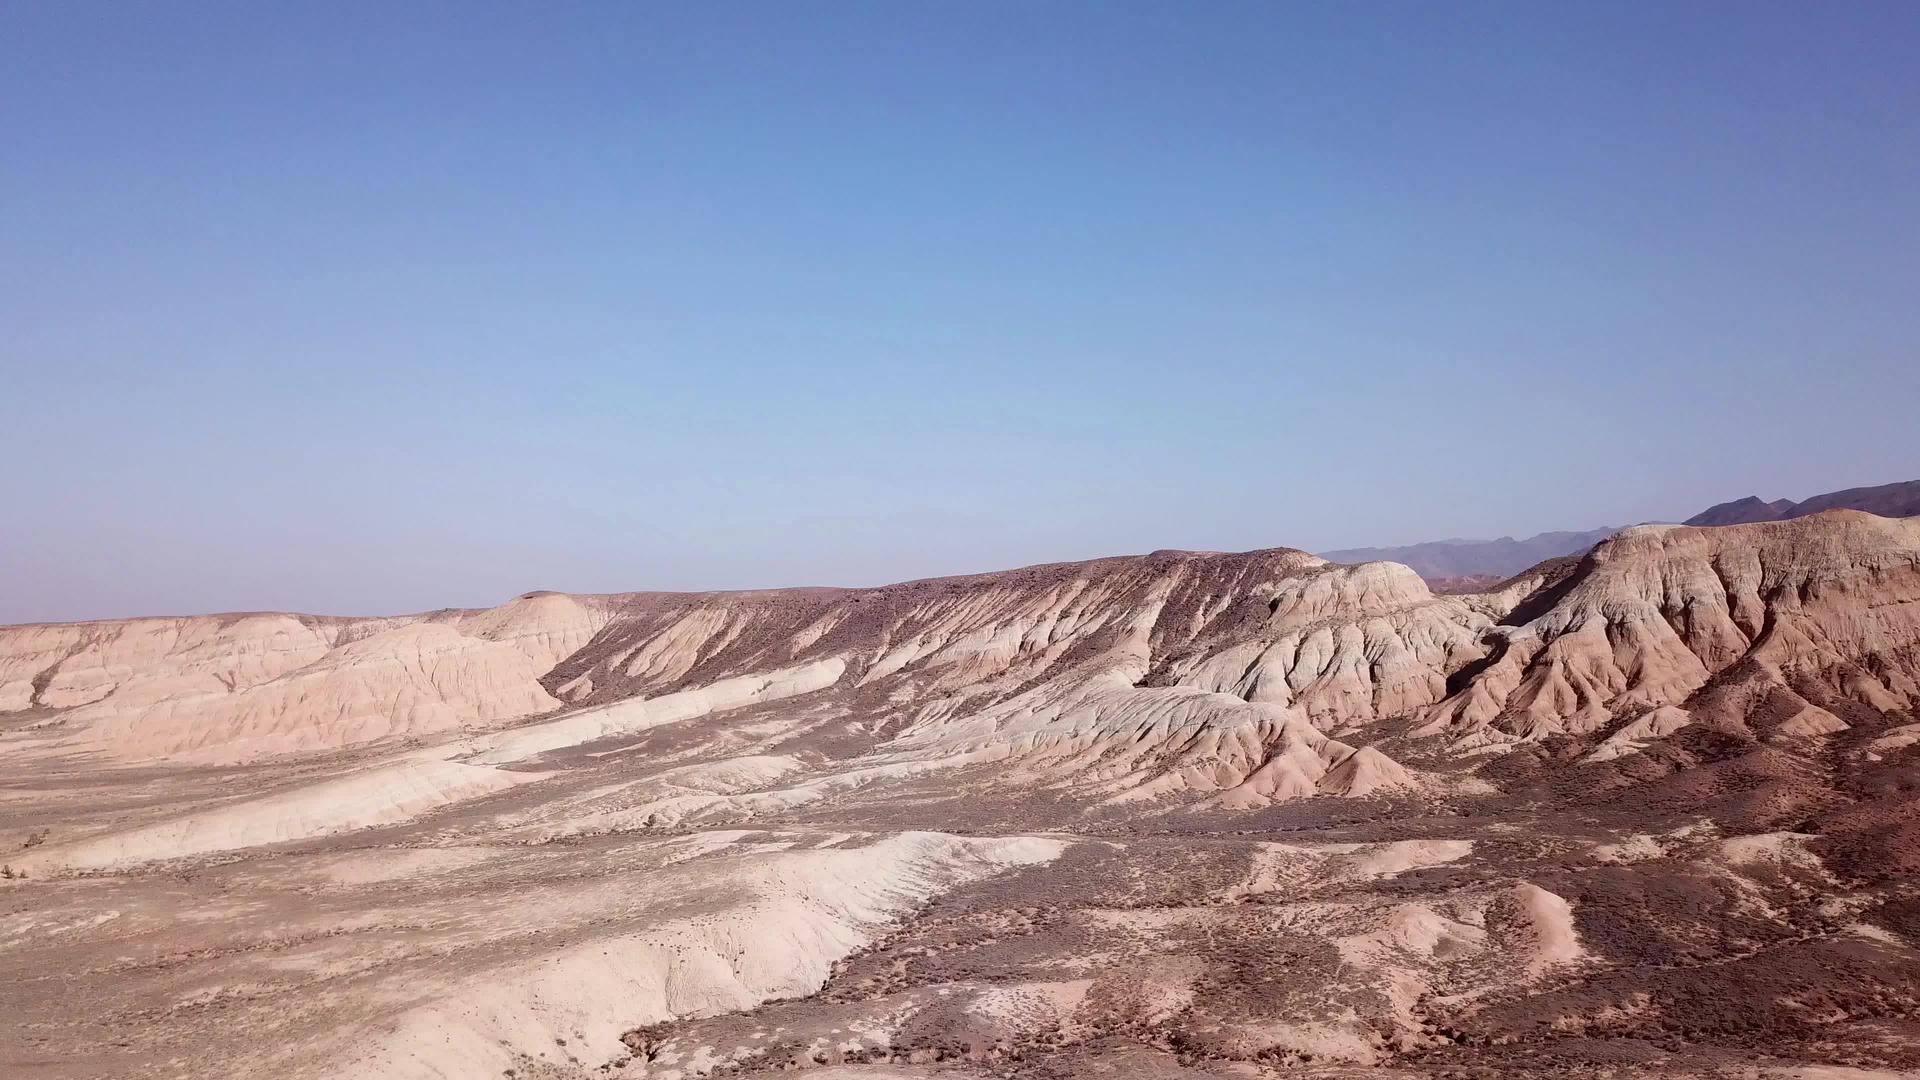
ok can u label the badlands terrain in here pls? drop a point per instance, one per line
(1652, 810)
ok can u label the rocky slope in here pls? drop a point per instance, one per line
(1811, 611)
(1170, 814)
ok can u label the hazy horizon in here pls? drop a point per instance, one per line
(956, 572)
(349, 310)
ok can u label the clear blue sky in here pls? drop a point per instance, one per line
(364, 307)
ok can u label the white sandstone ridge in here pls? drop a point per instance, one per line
(1245, 677)
(778, 922)
(1635, 735)
(1831, 600)
(1107, 679)
(1551, 937)
(383, 795)
(416, 783)
(1343, 643)
(630, 717)
(1104, 736)
(226, 688)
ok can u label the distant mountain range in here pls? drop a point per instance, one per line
(1445, 559)
(1887, 500)
(1459, 564)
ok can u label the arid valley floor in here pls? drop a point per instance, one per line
(1650, 811)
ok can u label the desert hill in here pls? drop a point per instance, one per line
(1181, 814)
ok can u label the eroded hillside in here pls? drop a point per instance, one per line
(1654, 810)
